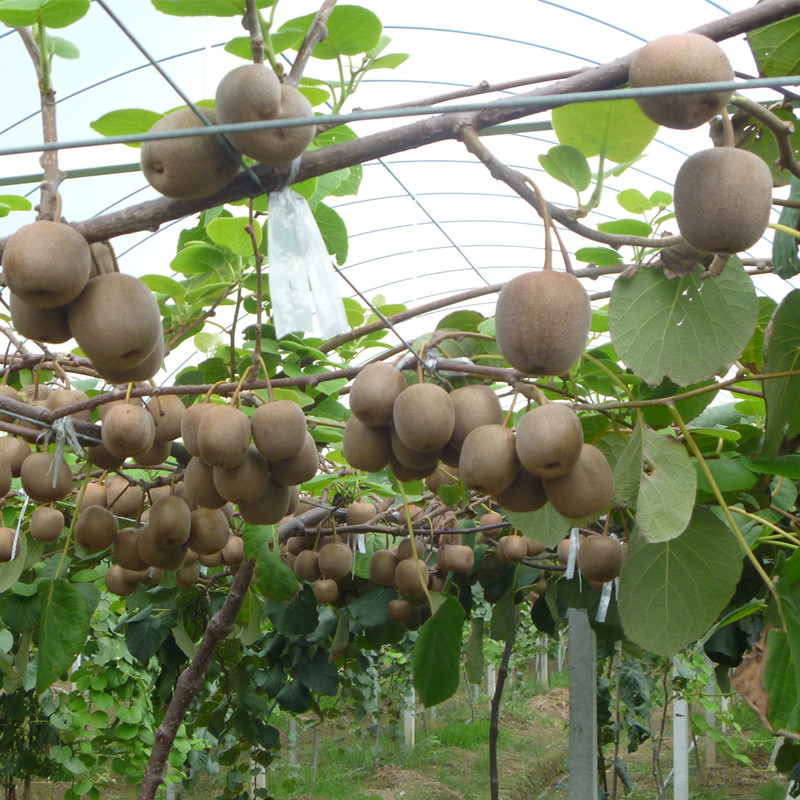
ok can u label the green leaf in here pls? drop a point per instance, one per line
(661, 200)
(207, 8)
(125, 121)
(16, 202)
(729, 473)
(333, 230)
(687, 329)
(63, 48)
(436, 657)
(616, 128)
(628, 468)
(372, 609)
(545, 525)
(473, 651)
(281, 40)
(602, 256)
(275, 578)
(672, 592)
(626, 227)
(503, 624)
(161, 284)
(782, 671)
(229, 232)
(63, 629)
(351, 30)
(659, 416)
(782, 395)
(195, 259)
(754, 352)
(785, 466)
(50, 13)
(295, 697)
(6, 641)
(319, 674)
(763, 144)
(776, 47)
(464, 320)
(296, 617)
(389, 61)
(634, 202)
(568, 165)
(145, 636)
(11, 570)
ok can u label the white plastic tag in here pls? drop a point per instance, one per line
(605, 601)
(574, 541)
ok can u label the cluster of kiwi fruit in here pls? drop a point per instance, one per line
(723, 195)
(197, 166)
(57, 292)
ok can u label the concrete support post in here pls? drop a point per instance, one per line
(582, 707)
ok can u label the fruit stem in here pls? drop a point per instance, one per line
(548, 224)
(728, 136)
(238, 389)
(74, 519)
(414, 553)
(776, 226)
(252, 24)
(211, 390)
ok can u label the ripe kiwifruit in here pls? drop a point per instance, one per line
(270, 508)
(382, 565)
(424, 417)
(187, 167)
(37, 473)
(12, 394)
(156, 454)
(244, 483)
(95, 528)
(534, 548)
(126, 548)
(123, 498)
(495, 519)
(95, 494)
(199, 486)
(169, 521)
(117, 323)
(549, 440)
(723, 198)
(279, 429)
(46, 523)
(142, 371)
(306, 565)
(586, 490)
(442, 476)
(30, 393)
(542, 321)
(335, 560)
(104, 408)
(475, 404)
(100, 457)
(489, 460)
(600, 558)
(251, 93)
(5, 478)
(404, 547)
(49, 325)
(405, 474)
(360, 513)
(326, 590)
(119, 582)
(223, 436)
(298, 469)
(233, 552)
(8, 552)
(525, 493)
(675, 59)
(61, 398)
(374, 391)
(211, 559)
(189, 425)
(161, 557)
(167, 411)
(458, 558)
(414, 459)
(46, 264)
(399, 610)
(127, 430)
(210, 531)
(186, 576)
(366, 447)
(411, 576)
(513, 548)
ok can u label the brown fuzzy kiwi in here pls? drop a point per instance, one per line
(209, 532)
(326, 590)
(534, 548)
(244, 483)
(675, 59)
(279, 429)
(374, 391)
(5, 478)
(492, 518)
(150, 576)
(586, 490)
(442, 476)
(187, 167)
(360, 513)
(405, 474)
(223, 436)
(335, 560)
(413, 459)
(298, 469)
(186, 576)
(12, 394)
(600, 558)
(306, 566)
(117, 323)
(37, 477)
(189, 425)
(169, 521)
(399, 610)
(95, 529)
(100, 457)
(8, 552)
(46, 264)
(542, 321)
(123, 498)
(424, 417)
(475, 404)
(294, 500)
(404, 548)
(211, 559)
(411, 576)
(46, 523)
(167, 411)
(526, 493)
(49, 325)
(104, 408)
(168, 558)
(118, 581)
(459, 558)
(199, 486)
(562, 550)
(549, 440)
(723, 199)
(365, 447)
(233, 552)
(95, 494)
(142, 371)
(126, 548)
(31, 393)
(127, 430)
(61, 398)
(489, 460)
(157, 454)
(270, 508)
(382, 565)
(513, 548)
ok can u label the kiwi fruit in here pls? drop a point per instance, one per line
(157, 454)
(186, 576)
(360, 513)
(117, 323)
(513, 548)
(441, 476)
(104, 408)
(49, 325)
(489, 460)
(126, 548)
(46, 264)
(209, 532)
(189, 425)
(95, 528)
(251, 93)
(525, 493)
(8, 552)
(413, 459)
(37, 473)
(405, 551)
(424, 417)
(458, 558)
(127, 430)
(233, 552)
(366, 447)
(492, 518)
(223, 436)
(61, 398)
(373, 392)
(167, 411)
(534, 548)
(298, 469)
(382, 565)
(123, 498)
(335, 560)
(187, 167)
(46, 523)
(399, 610)
(31, 393)
(406, 474)
(723, 198)
(676, 59)
(199, 486)
(95, 494)
(100, 457)
(270, 508)
(542, 321)
(474, 404)
(586, 490)
(549, 440)
(162, 557)
(119, 582)
(244, 483)
(142, 371)
(279, 429)
(600, 558)
(411, 576)
(5, 478)
(306, 566)
(326, 590)
(169, 521)
(211, 559)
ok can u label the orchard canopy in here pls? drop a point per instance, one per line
(221, 402)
